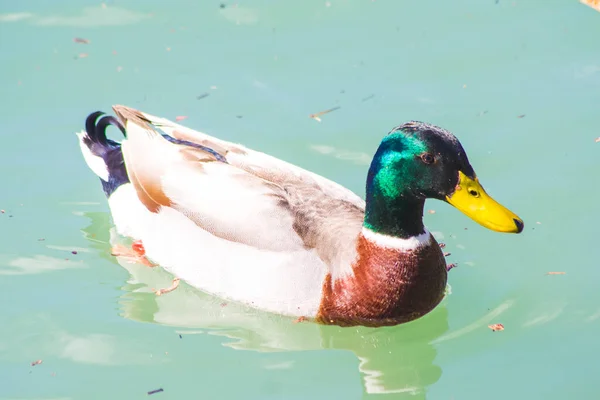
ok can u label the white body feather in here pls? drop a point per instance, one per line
(260, 262)
(287, 282)
(96, 164)
(129, 215)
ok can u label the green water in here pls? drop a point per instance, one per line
(472, 67)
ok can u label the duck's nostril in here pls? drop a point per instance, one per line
(520, 225)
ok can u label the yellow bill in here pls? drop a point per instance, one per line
(470, 198)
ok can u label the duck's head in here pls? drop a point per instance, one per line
(416, 161)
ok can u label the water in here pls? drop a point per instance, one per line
(518, 82)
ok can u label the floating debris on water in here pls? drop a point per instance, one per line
(37, 362)
(368, 98)
(496, 327)
(521, 116)
(180, 117)
(317, 116)
(81, 40)
(155, 391)
(556, 273)
(203, 95)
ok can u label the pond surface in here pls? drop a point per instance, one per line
(517, 82)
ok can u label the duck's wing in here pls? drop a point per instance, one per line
(255, 162)
(238, 194)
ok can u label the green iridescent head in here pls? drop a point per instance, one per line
(416, 161)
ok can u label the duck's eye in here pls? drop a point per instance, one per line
(427, 158)
(473, 192)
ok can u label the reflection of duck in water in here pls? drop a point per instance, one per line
(390, 360)
(254, 229)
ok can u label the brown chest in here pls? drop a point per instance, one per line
(387, 287)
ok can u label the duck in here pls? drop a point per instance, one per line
(247, 227)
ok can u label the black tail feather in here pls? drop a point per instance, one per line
(96, 129)
(108, 150)
(104, 123)
(90, 126)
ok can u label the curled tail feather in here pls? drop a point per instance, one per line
(103, 155)
(96, 129)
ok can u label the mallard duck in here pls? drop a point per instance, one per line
(245, 226)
